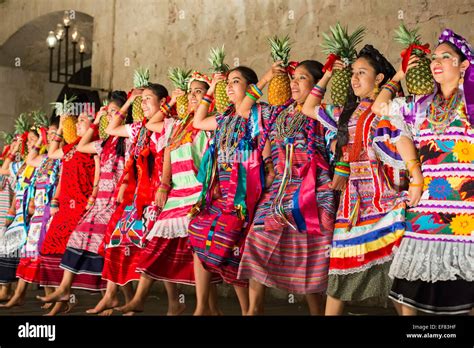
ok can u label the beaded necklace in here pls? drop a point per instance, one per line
(290, 122)
(230, 135)
(441, 110)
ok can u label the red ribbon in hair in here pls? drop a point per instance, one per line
(330, 62)
(44, 135)
(406, 53)
(290, 69)
(24, 139)
(6, 148)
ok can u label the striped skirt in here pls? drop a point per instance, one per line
(51, 274)
(278, 256)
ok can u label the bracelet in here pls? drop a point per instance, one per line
(164, 188)
(166, 108)
(343, 164)
(392, 86)
(58, 135)
(318, 91)
(205, 102)
(57, 138)
(119, 114)
(251, 96)
(341, 172)
(415, 162)
(209, 97)
(256, 90)
(253, 92)
(416, 185)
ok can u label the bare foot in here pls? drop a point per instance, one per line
(46, 306)
(105, 303)
(202, 311)
(106, 313)
(57, 296)
(176, 309)
(5, 295)
(14, 301)
(58, 308)
(134, 306)
(217, 312)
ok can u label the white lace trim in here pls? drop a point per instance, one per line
(170, 228)
(432, 261)
(362, 268)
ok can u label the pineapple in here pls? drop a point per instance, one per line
(7, 137)
(419, 79)
(180, 79)
(279, 90)
(344, 46)
(216, 58)
(22, 124)
(39, 119)
(141, 78)
(66, 108)
(103, 123)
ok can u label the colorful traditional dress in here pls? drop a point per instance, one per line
(370, 219)
(81, 256)
(125, 232)
(76, 182)
(41, 191)
(6, 195)
(14, 236)
(231, 172)
(434, 266)
(287, 245)
(167, 255)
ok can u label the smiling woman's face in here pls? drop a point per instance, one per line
(236, 87)
(446, 66)
(150, 103)
(196, 92)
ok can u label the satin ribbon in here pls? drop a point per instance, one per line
(5, 151)
(330, 62)
(24, 139)
(291, 67)
(44, 135)
(406, 53)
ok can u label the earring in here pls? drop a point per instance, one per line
(376, 90)
(461, 80)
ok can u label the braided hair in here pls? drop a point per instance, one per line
(381, 66)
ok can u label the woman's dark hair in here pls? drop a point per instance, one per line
(119, 98)
(54, 121)
(159, 90)
(206, 85)
(247, 73)
(314, 67)
(456, 49)
(381, 66)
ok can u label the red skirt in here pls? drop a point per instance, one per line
(169, 259)
(29, 269)
(120, 265)
(51, 275)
